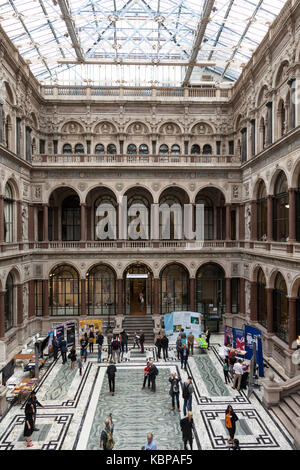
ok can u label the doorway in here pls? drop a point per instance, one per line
(137, 286)
(138, 279)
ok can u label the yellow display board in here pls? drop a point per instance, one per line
(85, 324)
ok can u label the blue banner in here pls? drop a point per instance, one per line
(238, 339)
(253, 335)
(168, 321)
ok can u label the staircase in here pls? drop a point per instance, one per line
(132, 323)
(287, 410)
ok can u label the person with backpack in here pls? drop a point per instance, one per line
(186, 425)
(91, 340)
(116, 349)
(165, 346)
(100, 338)
(187, 395)
(84, 344)
(106, 439)
(73, 356)
(230, 420)
(226, 371)
(158, 345)
(174, 391)
(153, 373)
(111, 373)
(124, 341)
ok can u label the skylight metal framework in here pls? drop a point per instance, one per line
(137, 42)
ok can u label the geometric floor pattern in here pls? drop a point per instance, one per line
(76, 407)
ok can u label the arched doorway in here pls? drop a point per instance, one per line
(261, 298)
(210, 294)
(280, 308)
(174, 291)
(9, 303)
(138, 278)
(64, 291)
(281, 209)
(101, 291)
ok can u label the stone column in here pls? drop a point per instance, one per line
(292, 321)
(83, 297)
(82, 223)
(156, 296)
(228, 222)
(28, 143)
(46, 297)
(1, 219)
(31, 299)
(55, 223)
(19, 221)
(269, 310)
(1, 121)
(253, 140)
(270, 122)
(292, 215)
(192, 294)
(18, 135)
(292, 114)
(228, 296)
(120, 296)
(242, 296)
(253, 235)
(253, 302)
(2, 321)
(45, 223)
(19, 304)
(30, 223)
(270, 218)
(154, 222)
(242, 222)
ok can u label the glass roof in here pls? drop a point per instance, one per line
(136, 42)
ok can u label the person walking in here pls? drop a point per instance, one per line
(232, 361)
(146, 375)
(64, 349)
(190, 342)
(226, 371)
(142, 341)
(116, 349)
(91, 340)
(150, 444)
(99, 352)
(182, 335)
(165, 346)
(158, 345)
(111, 374)
(29, 424)
(106, 439)
(174, 391)
(207, 337)
(124, 341)
(230, 420)
(184, 355)
(80, 365)
(237, 375)
(35, 403)
(84, 344)
(55, 348)
(100, 338)
(187, 395)
(178, 346)
(73, 356)
(186, 425)
(109, 336)
(153, 373)
(141, 302)
(136, 340)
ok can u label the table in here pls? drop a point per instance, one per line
(24, 387)
(24, 356)
(31, 366)
(239, 352)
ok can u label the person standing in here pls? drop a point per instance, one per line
(116, 348)
(141, 301)
(182, 336)
(99, 352)
(187, 395)
(207, 337)
(230, 420)
(153, 372)
(226, 371)
(35, 403)
(136, 340)
(158, 345)
(91, 340)
(232, 361)
(174, 391)
(165, 346)
(184, 355)
(80, 365)
(111, 373)
(146, 375)
(142, 341)
(84, 344)
(55, 347)
(190, 342)
(186, 425)
(150, 444)
(106, 439)
(29, 424)
(237, 377)
(124, 341)
(64, 349)
(109, 336)
(73, 356)
(178, 347)
(100, 338)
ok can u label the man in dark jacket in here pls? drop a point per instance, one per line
(100, 338)
(184, 355)
(55, 347)
(165, 346)
(186, 425)
(111, 373)
(174, 392)
(153, 372)
(158, 345)
(142, 340)
(64, 349)
(124, 341)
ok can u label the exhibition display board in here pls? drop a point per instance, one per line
(189, 321)
(85, 324)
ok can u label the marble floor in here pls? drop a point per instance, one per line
(75, 407)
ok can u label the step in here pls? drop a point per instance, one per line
(292, 404)
(287, 411)
(284, 420)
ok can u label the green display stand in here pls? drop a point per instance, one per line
(203, 345)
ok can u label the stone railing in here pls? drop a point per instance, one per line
(135, 159)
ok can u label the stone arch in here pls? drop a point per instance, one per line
(176, 262)
(218, 263)
(202, 128)
(295, 174)
(272, 276)
(16, 274)
(60, 186)
(108, 264)
(63, 263)
(72, 126)
(281, 73)
(254, 271)
(14, 186)
(294, 288)
(142, 186)
(212, 186)
(105, 127)
(170, 128)
(258, 181)
(136, 262)
(95, 187)
(137, 128)
(261, 98)
(9, 94)
(273, 179)
(170, 186)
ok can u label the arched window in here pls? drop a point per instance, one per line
(210, 294)
(111, 149)
(99, 148)
(101, 291)
(208, 216)
(175, 149)
(282, 118)
(79, 148)
(262, 212)
(64, 291)
(9, 303)
(67, 148)
(281, 209)
(174, 289)
(207, 150)
(8, 214)
(280, 308)
(170, 220)
(163, 149)
(195, 150)
(261, 298)
(70, 223)
(143, 149)
(131, 149)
